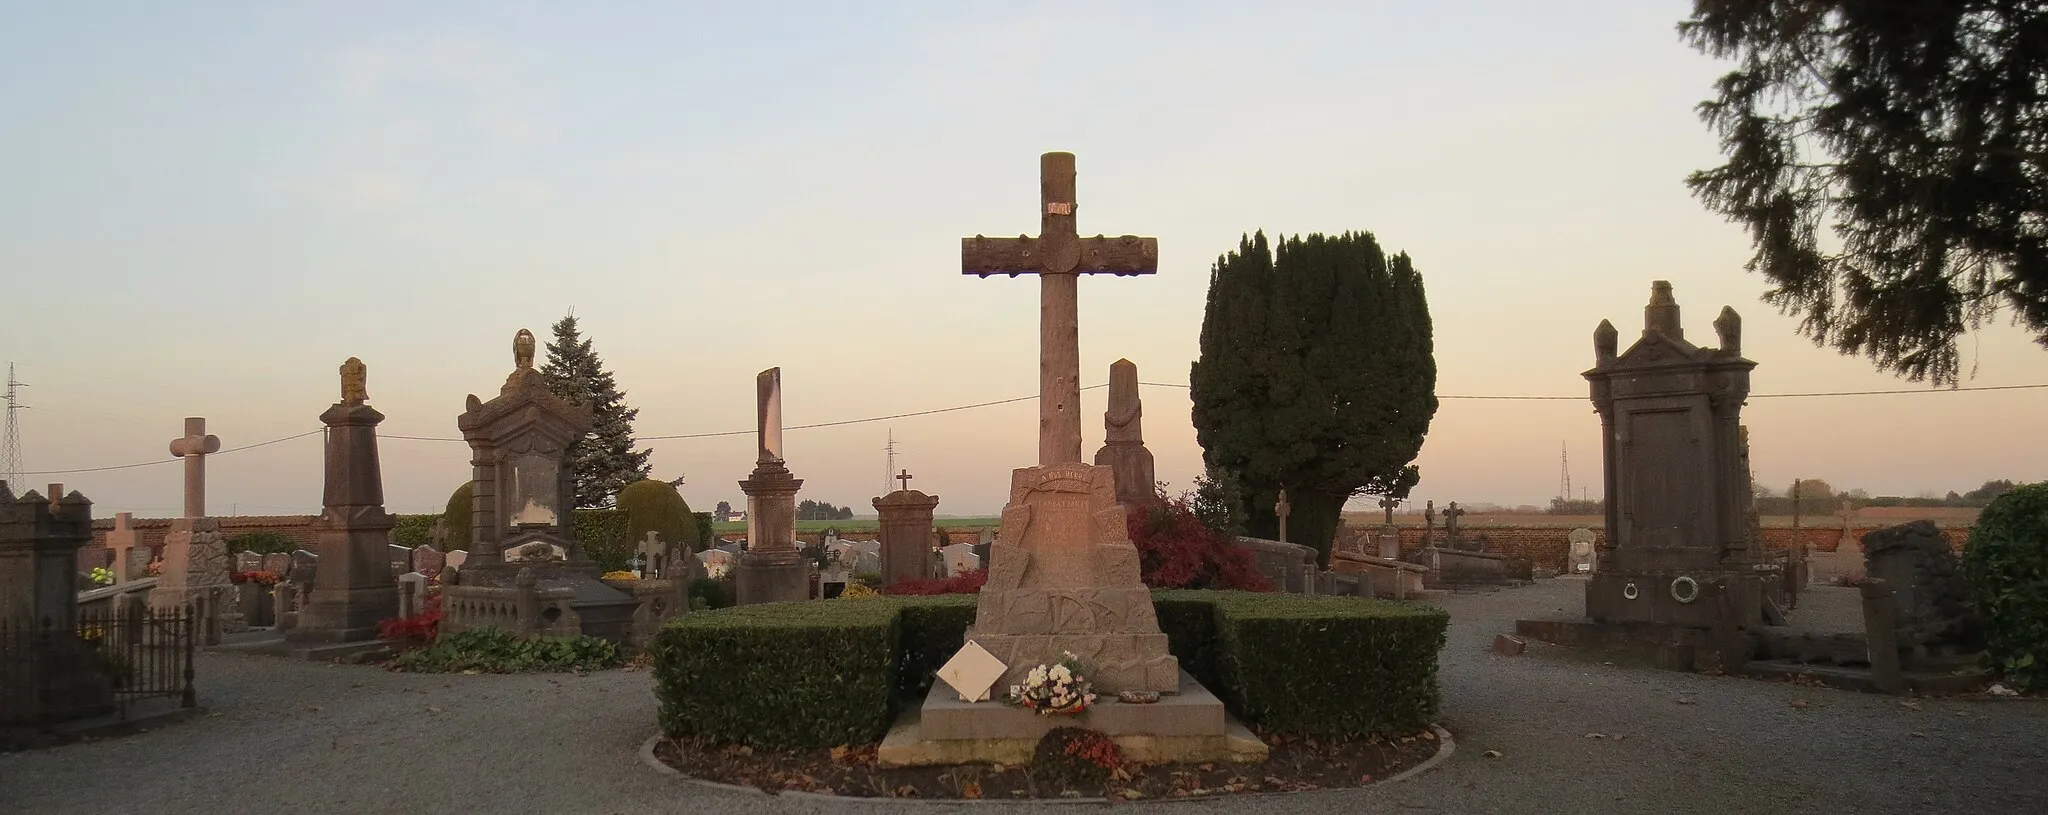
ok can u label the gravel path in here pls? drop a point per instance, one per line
(295, 737)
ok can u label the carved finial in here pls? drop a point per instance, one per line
(1122, 421)
(1606, 342)
(1661, 315)
(522, 349)
(354, 382)
(1729, 327)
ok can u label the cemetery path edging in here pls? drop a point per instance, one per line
(1446, 745)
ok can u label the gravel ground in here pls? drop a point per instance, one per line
(294, 737)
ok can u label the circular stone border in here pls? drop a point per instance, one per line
(1445, 747)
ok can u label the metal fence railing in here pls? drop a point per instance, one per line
(105, 664)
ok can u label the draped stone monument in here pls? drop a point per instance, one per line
(771, 570)
(1123, 448)
(354, 589)
(906, 524)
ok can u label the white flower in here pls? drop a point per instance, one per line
(1060, 672)
(1037, 676)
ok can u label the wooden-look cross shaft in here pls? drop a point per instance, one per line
(904, 479)
(1059, 255)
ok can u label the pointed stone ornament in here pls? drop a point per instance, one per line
(972, 672)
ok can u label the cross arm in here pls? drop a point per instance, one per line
(1123, 255)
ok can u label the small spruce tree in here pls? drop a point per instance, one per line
(605, 460)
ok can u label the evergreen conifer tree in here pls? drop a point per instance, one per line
(1317, 375)
(604, 462)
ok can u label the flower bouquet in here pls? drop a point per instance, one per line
(1061, 688)
(101, 576)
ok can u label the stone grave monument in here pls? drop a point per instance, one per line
(39, 542)
(771, 570)
(357, 588)
(1676, 488)
(520, 518)
(1123, 448)
(196, 563)
(1063, 576)
(131, 558)
(1462, 561)
(1581, 554)
(1384, 574)
(906, 524)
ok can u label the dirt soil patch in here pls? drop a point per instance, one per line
(1295, 764)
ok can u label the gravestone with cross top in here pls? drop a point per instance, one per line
(193, 447)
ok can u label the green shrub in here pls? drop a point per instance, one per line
(458, 518)
(707, 535)
(779, 675)
(2005, 566)
(493, 650)
(655, 506)
(1324, 666)
(933, 629)
(414, 531)
(602, 532)
(262, 543)
(709, 593)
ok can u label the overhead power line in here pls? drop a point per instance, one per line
(955, 408)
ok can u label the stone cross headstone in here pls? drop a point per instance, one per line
(650, 551)
(1451, 515)
(1064, 533)
(960, 559)
(131, 558)
(906, 530)
(1123, 449)
(1388, 504)
(193, 448)
(903, 480)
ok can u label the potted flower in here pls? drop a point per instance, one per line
(1061, 688)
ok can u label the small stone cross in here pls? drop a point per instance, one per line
(904, 479)
(1451, 514)
(1283, 509)
(1389, 503)
(193, 448)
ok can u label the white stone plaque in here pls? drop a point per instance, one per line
(972, 671)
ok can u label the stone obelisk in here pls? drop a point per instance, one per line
(1123, 437)
(771, 570)
(353, 589)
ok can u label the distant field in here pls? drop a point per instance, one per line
(862, 525)
(1867, 516)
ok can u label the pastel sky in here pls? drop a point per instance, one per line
(206, 207)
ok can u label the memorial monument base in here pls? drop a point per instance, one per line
(771, 577)
(1187, 726)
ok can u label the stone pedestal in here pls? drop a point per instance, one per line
(353, 590)
(906, 524)
(1065, 579)
(196, 573)
(771, 570)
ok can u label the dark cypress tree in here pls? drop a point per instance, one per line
(1317, 375)
(604, 461)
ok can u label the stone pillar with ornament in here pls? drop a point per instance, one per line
(906, 532)
(771, 570)
(354, 589)
(1123, 448)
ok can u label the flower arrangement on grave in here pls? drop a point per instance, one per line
(259, 577)
(857, 591)
(155, 568)
(619, 574)
(1061, 688)
(101, 576)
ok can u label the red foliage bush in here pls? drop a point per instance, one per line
(1175, 551)
(418, 628)
(967, 583)
(259, 577)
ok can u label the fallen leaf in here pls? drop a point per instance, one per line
(1684, 701)
(1429, 735)
(1491, 754)
(1365, 779)
(839, 753)
(1129, 794)
(432, 709)
(1917, 735)
(1910, 705)
(971, 791)
(1801, 704)
(905, 791)
(1596, 735)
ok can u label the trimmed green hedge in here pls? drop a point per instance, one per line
(826, 673)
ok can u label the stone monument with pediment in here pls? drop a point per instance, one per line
(521, 507)
(1676, 483)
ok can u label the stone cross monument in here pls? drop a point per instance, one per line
(1282, 509)
(906, 521)
(1064, 576)
(1670, 421)
(771, 570)
(1059, 256)
(354, 588)
(1390, 536)
(1123, 449)
(196, 566)
(1452, 512)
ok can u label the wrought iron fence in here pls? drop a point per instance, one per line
(105, 664)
